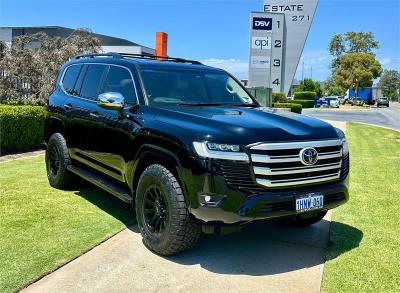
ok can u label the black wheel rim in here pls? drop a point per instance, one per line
(54, 160)
(155, 209)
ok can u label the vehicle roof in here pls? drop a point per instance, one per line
(143, 62)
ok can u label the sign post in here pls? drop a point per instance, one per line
(277, 38)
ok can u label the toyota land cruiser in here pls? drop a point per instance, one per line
(188, 147)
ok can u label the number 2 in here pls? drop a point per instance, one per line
(278, 44)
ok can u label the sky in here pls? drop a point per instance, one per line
(214, 32)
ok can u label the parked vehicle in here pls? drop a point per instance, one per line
(366, 96)
(331, 101)
(357, 102)
(188, 147)
(382, 102)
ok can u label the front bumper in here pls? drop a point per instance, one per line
(269, 204)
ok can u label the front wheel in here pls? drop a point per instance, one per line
(166, 226)
(305, 219)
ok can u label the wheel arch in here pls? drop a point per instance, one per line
(149, 154)
(54, 125)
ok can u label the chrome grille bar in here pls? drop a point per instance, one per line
(296, 145)
(297, 181)
(283, 171)
(258, 158)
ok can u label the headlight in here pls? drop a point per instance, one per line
(220, 151)
(223, 147)
(345, 146)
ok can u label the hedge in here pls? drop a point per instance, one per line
(21, 128)
(23, 101)
(303, 103)
(293, 107)
(305, 95)
(278, 97)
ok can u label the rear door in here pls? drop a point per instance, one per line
(83, 108)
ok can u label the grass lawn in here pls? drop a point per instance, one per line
(42, 228)
(364, 255)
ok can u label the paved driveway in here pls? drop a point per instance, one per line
(387, 117)
(265, 257)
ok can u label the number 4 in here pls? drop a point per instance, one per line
(276, 81)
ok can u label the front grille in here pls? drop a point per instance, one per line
(279, 165)
(237, 175)
(345, 167)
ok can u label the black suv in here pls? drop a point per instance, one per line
(188, 147)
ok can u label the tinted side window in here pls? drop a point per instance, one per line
(119, 80)
(92, 80)
(70, 77)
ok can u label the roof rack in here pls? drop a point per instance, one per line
(139, 56)
(94, 55)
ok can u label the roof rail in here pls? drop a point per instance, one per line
(163, 58)
(140, 56)
(93, 55)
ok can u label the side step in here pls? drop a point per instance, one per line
(116, 190)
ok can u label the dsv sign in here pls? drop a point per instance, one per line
(261, 43)
(262, 23)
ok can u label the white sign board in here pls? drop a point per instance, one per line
(266, 44)
(298, 18)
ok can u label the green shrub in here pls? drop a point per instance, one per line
(293, 107)
(278, 97)
(21, 127)
(305, 95)
(22, 101)
(303, 103)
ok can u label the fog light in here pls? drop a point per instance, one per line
(210, 199)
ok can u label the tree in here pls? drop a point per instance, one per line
(308, 85)
(31, 65)
(351, 42)
(331, 89)
(390, 83)
(357, 70)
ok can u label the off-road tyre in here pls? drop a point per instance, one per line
(57, 161)
(180, 231)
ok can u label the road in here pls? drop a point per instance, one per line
(387, 117)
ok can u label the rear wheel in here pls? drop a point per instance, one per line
(165, 223)
(306, 219)
(57, 161)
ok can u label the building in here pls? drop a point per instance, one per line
(108, 43)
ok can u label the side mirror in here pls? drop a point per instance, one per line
(111, 100)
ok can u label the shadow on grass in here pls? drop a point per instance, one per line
(343, 239)
(108, 203)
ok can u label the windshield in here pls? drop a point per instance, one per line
(192, 87)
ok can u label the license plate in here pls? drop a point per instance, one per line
(310, 202)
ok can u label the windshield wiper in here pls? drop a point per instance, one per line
(200, 104)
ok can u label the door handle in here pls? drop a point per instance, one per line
(68, 106)
(94, 115)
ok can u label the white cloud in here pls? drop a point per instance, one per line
(385, 61)
(237, 67)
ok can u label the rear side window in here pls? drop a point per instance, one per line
(119, 80)
(70, 77)
(91, 82)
